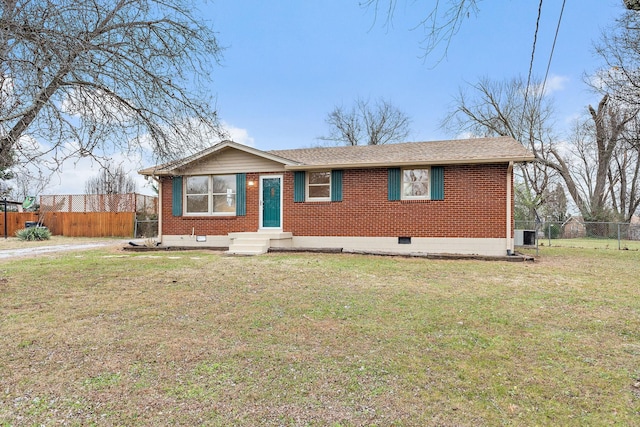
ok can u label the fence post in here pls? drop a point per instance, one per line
(618, 236)
(4, 200)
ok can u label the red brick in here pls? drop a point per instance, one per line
(473, 206)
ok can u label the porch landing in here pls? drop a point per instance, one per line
(258, 243)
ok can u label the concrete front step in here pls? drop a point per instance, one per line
(247, 250)
(255, 243)
(272, 235)
(249, 246)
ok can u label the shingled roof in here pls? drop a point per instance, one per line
(461, 151)
(475, 150)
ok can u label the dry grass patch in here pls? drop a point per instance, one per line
(196, 338)
(14, 243)
(591, 243)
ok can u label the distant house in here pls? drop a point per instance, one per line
(430, 197)
(574, 228)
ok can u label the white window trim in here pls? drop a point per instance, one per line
(209, 195)
(402, 182)
(306, 188)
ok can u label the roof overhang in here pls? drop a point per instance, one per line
(175, 168)
(439, 162)
(428, 154)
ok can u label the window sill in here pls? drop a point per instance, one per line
(209, 216)
(318, 202)
(409, 201)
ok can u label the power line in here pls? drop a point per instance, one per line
(553, 47)
(533, 53)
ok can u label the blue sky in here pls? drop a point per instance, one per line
(288, 63)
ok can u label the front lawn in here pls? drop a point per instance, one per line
(104, 337)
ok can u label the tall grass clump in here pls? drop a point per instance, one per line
(34, 234)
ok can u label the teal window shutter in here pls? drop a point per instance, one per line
(298, 186)
(394, 183)
(336, 185)
(176, 200)
(241, 194)
(437, 183)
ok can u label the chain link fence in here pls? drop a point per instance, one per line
(146, 227)
(577, 233)
(129, 202)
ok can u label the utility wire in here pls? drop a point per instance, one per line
(553, 47)
(533, 53)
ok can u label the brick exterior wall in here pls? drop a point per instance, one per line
(473, 207)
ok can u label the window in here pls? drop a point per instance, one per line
(319, 185)
(415, 184)
(210, 195)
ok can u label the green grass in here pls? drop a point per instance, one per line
(195, 338)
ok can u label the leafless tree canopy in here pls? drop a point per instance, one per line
(619, 49)
(495, 108)
(111, 180)
(5, 189)
(597, 164)
(367, 124)
(442, 19)
(602, 171)
(82, 78)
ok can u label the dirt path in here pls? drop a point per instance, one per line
(23, 249)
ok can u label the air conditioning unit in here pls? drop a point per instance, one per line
(524, 238)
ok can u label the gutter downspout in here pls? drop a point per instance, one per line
(159, 207)
(509, 239)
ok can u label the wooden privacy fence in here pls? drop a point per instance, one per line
(86, 215)
(74, 224)
(15, 221)
(90, 224)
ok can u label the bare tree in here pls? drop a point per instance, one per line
(603, 162)
(111, 180)
(586, 165)
(555, 203)
(625, 172)
(619, 81)
(619, 49)
(85, 78)
(27, 182)
(5, 188)
(112, 187)
(366, 124)
(506, 108)
(442, 20)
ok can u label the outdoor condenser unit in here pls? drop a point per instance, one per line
(524, 238)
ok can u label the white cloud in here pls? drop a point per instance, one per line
(239, 135)
(467, 135)
(74, 172)
(553, 84)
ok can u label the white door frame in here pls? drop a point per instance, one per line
(261, 201)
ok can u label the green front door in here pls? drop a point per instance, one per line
(271, 203)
